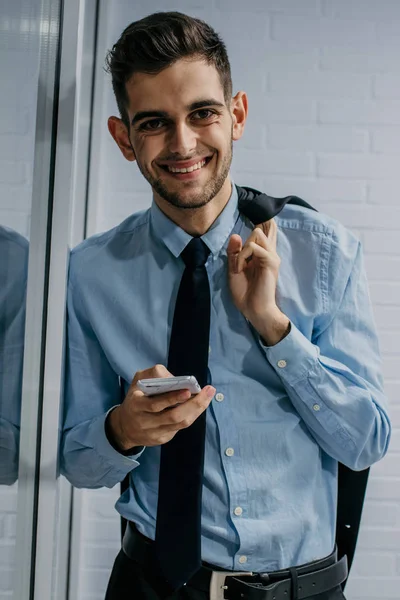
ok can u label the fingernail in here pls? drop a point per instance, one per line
(210, 391)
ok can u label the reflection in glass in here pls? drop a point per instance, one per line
(13, 277)
(19, 70)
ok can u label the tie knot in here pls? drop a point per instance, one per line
(195, 254)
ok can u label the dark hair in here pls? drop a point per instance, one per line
(159, 40)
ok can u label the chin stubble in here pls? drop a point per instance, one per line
(210, 190)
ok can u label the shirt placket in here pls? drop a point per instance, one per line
(230, 452)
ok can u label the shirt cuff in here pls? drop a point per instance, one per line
(105, 449)
(293, 357)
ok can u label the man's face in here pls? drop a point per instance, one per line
(179, 120)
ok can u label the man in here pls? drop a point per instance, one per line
(293, 360)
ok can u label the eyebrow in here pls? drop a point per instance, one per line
(144, 114)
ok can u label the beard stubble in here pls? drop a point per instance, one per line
(203, 197)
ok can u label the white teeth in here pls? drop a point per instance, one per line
(199, 165)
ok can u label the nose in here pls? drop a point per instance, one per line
(182, 140)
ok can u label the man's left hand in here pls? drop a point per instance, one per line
(253, 269)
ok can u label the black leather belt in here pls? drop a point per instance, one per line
(312, 578)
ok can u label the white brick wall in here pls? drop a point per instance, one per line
(19, 63)
(322, 77)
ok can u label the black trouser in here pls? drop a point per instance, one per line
(129, 582)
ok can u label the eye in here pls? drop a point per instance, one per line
(205, 113)
(156, 124)
(151, 125)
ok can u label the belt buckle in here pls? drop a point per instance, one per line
(217, 582)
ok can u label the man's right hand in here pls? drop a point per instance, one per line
(153, 420)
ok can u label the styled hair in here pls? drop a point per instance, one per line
(157, 42)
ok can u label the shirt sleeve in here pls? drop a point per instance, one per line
(88, 460)
(11, 363)
(9, 451)
(335, 381)
(14, 251)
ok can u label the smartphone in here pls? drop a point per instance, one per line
(161, 385)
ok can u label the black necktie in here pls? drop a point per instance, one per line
(178, 529)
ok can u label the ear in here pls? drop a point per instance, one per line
(239, 109)
(120, 133)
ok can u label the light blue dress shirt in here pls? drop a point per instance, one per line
(14, 249)
(282, 416)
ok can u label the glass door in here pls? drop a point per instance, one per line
(28, 60)
(46, 74)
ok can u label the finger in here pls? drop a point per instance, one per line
(249, 250)
(234, 247)
(156, 371)
(259, 236)
(184, 415)
(234, 244)
(159, 427)
(273, 233)
(270, 230)
(146, 410)
(160, 402)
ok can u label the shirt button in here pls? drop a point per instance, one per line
(229, 452)
(209, 349)
(219, 397)
(238, 511)
(282, 363)
(242, 559)
(316, 407)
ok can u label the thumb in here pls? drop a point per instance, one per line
(233, 249)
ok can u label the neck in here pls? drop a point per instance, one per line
(196, 221)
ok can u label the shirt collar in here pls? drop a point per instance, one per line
(176, 239)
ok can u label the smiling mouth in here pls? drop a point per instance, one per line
(197, 167)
